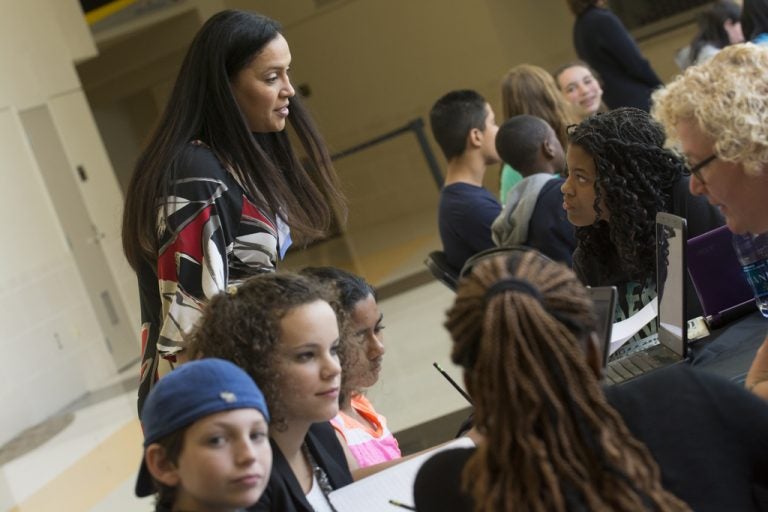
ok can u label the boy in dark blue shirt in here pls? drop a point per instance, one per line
(464, 126)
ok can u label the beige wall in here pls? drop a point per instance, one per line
(53, 348)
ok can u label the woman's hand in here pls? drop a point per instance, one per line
(757, 377)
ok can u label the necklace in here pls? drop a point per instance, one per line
(320, 475)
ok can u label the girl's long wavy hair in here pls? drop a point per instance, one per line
(552, 442)
(530, 90)
(635, 174)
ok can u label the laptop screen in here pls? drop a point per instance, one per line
(670, 282)
(604, 300)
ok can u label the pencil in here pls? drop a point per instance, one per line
(401, 505)
(453, 382)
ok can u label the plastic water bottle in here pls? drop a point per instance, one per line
(752, 251)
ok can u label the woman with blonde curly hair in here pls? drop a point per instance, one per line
(523, 330)
(529, 90)
(717, 113)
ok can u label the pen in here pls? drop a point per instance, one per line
(401, 505)
(453, 382)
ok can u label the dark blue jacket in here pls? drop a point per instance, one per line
(601, 41)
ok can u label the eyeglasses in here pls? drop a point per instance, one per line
(696, 169)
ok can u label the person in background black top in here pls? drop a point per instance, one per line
(601, 41)
(464, 126)
(219, 190)
(619, 176)
(282, 332)
(521, 326)
(522, 329)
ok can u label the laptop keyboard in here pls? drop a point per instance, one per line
(639, 363)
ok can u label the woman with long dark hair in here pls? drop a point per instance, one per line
(219, 190)
(553, 440)
(619, 176)
(719, 26)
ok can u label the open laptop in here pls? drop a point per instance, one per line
(671, 346)
(604, 300)
(723, 292)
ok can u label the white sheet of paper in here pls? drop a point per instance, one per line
(372, 494)
(627, 328)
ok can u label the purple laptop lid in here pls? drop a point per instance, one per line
(717, 275)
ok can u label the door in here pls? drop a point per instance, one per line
(82, 235)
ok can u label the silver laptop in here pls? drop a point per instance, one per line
(671, 344)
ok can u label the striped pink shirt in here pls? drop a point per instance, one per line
(370, 443)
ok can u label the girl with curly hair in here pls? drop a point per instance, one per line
(361, 429)
(523, 331)
(280, 329)
(619, 176)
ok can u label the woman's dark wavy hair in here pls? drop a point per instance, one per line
(202, 106)
(711, 29)
(635, 174)
(243, 326)
(754, 18)
(552, 442)
(345, 290)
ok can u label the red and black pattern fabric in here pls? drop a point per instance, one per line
(214, 236)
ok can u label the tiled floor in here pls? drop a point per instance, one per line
(90, 460)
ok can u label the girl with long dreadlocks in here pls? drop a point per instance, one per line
(619, 176)
(523, 331)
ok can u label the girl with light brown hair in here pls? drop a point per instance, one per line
(530, 90)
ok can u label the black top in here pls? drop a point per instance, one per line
(708, 435)
(215, 236)
(549, 230)
(601, 41)
(712, 445)
(465, 215)
(283, 492)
